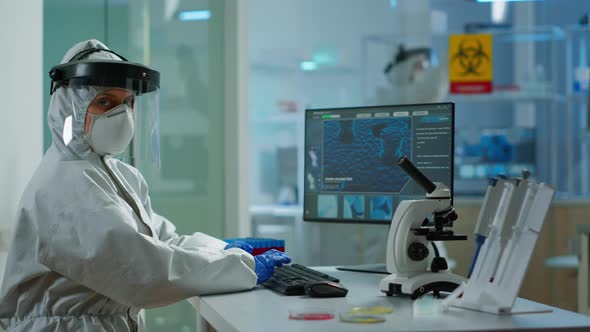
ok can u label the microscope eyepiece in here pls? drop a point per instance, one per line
(419, 177)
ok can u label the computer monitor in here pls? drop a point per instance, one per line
(351, 173)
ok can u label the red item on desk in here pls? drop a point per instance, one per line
(258, 251)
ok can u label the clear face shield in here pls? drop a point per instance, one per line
(146, 142)
(122, 114)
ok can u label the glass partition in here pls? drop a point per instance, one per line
(330, 53)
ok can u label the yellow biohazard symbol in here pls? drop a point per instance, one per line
(470, 57)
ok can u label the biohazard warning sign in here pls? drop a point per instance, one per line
(470, 63)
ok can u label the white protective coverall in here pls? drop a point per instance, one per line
(81, 259)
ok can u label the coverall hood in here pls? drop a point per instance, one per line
(67, 108)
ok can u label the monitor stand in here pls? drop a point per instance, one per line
(367, 268)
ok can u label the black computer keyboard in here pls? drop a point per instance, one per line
(291, 279)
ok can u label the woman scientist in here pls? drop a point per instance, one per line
(88, 251)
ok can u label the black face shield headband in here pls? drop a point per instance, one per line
(109, 73)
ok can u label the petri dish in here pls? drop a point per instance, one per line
(361, 318)
(371, 310)
(311, 314)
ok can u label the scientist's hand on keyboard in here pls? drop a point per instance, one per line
(266, 262)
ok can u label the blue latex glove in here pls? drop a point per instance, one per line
(266, 262)
(242, 245)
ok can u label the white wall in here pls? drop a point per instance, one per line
(21, 100)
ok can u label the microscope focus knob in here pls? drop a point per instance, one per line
(417, 251)
(439, 264)
(453, 216)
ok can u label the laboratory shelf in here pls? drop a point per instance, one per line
(277, 210)
(506, 97)
(563, 262)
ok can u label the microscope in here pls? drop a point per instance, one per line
(411, 233)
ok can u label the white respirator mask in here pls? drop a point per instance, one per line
(111, 132)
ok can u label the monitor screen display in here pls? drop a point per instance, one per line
(351, 172)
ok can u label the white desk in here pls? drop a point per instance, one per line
(264, 310)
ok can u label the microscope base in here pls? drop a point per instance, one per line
(420, 284)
